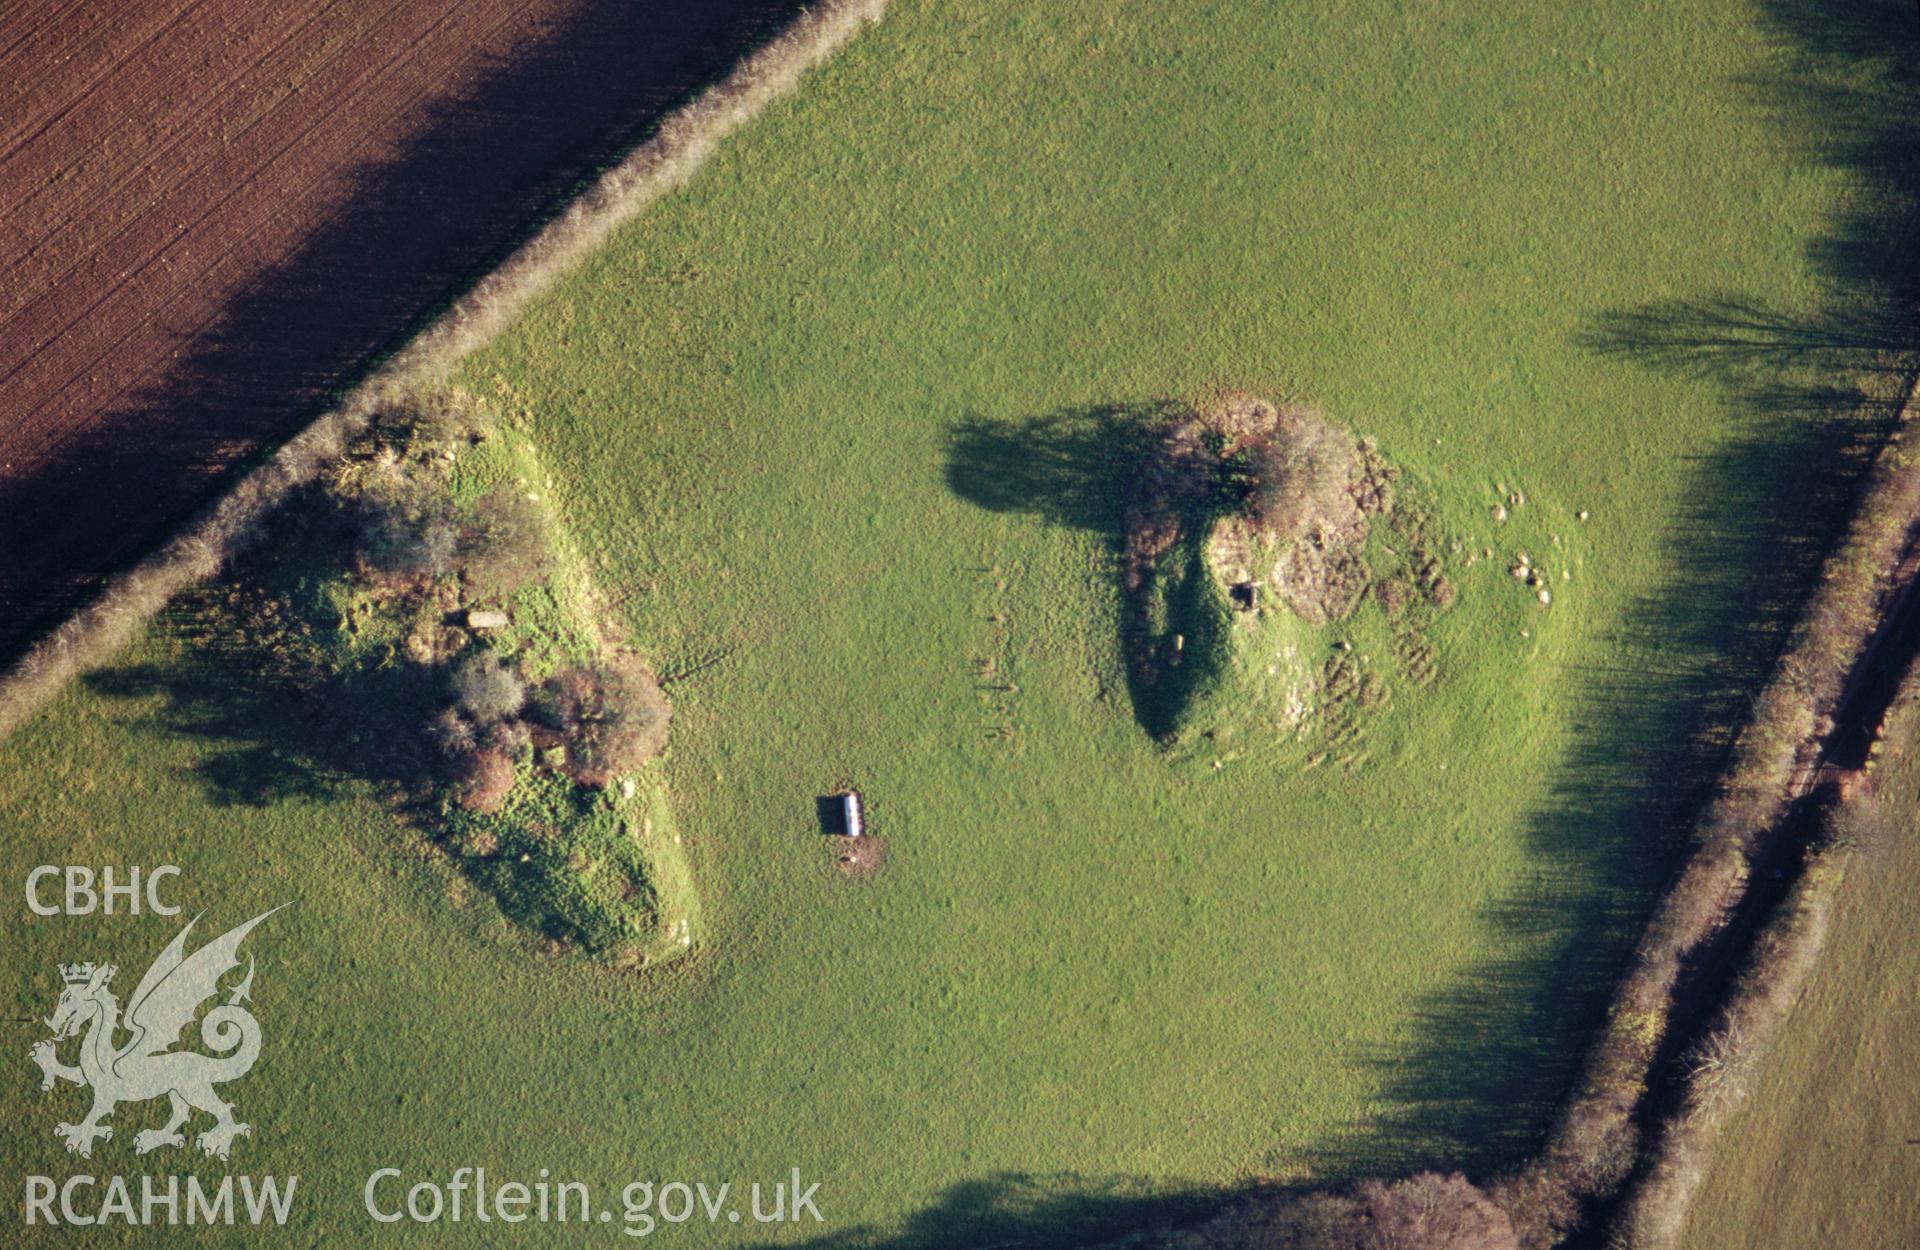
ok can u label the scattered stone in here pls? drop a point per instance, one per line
(1546, 596)
(1580, 515)
(485, 618)
(1500, 513)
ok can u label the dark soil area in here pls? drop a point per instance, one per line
(219, 214)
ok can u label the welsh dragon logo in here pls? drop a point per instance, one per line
(165, 1002)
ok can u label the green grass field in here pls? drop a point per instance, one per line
(1092, 977)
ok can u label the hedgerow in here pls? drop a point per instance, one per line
(681, 144)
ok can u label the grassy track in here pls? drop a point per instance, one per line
(1090, 974)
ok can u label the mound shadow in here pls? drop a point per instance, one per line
(482, 171)
(1075, 467)
(1070, 467)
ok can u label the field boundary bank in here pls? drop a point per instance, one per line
(1750, 973)
(678, 146)
(1731, 942)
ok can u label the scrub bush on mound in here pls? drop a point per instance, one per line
(426, 604)
(1253, 532)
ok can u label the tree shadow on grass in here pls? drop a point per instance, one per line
(256, 744)
(248, 751)
(267, 725)
(1847, 93)
(1497, 1051)
(1033, 1211)
(1070, 467)
(1077, 467)
(1810, 393)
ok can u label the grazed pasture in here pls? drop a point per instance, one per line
(1093, 980)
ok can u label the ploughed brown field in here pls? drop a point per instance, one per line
(213, 213)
